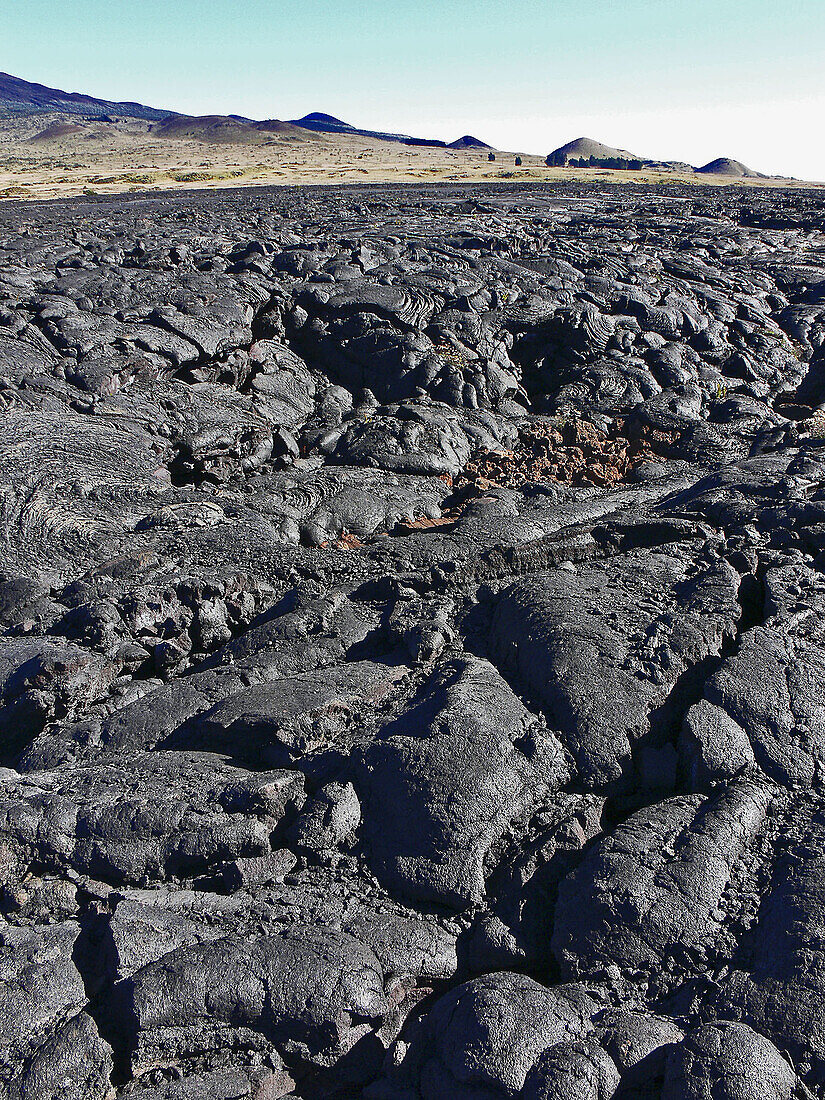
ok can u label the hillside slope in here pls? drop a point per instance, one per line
(22, 97)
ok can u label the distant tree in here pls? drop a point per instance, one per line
(518, 162)
(491, 156)
(617, 163)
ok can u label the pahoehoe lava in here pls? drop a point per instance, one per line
(412, 644)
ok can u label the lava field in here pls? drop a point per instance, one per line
(412, 654)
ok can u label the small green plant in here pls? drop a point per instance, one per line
(720, 391)
(447, 351)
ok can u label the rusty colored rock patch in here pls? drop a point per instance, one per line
(572, 451)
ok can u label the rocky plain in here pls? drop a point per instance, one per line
(412, 645)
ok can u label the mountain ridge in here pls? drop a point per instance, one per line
(24, 97)
(20, 98)
(329, 124)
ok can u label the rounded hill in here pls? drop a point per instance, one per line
(725, 166)
(583, 148)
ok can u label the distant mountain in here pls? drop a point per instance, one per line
(328, 124)
(583, 149)
(236, 128)
(22, 98)
(223, 129)
(219, 128)
(724, 166)
(469, 142)
(275, 126)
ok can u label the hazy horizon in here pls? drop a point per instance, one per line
(666, 81)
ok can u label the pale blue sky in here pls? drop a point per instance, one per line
(692, 79)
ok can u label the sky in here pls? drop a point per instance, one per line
(671, 79)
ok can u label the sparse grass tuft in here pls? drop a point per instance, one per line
(720, 392)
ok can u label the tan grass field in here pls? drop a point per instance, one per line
(111, 158)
